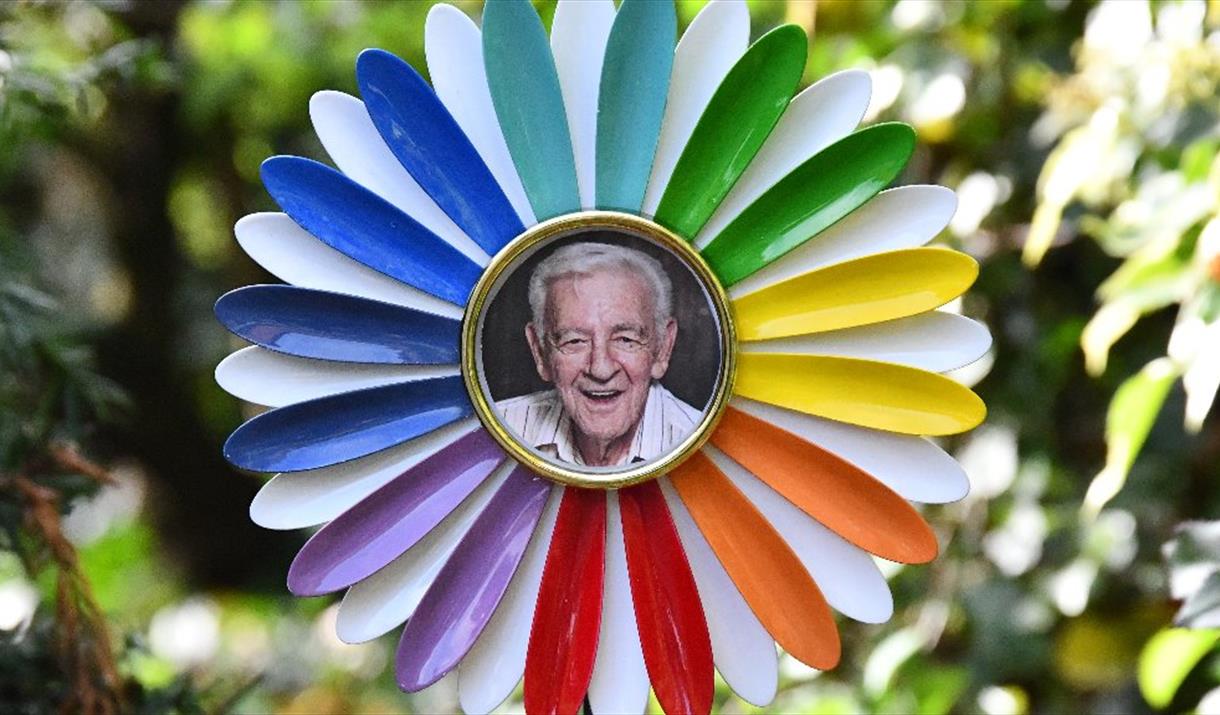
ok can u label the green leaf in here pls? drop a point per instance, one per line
(1132, 412)
(1168, 658)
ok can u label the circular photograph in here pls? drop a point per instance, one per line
(600, 350)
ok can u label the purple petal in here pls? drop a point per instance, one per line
(392, 519)
(466, 592)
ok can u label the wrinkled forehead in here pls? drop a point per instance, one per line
(601, 297)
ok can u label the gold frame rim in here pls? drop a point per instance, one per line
(556, 228)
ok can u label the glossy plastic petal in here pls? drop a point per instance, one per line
(862, 291)
(291, 254)
(903, 217)
(822, 113)
(707, 50)
(394, 518)
(567, 617)
(620, 679)
(258, 375)
(832, 490)
(846, 574)
(331, 326)
(428, 141)
(914, 467)
(460, 602)
(529, 103)
(366, 227)
(812, 197)
(493, 667)
(295, 500)
(737, 120)
(631, 100)
(743, 650)
(579, 32)
(334, 429)
(764, 568)
(935, 341)
(349, 137)
(383, 601)
(867, 393)
(453, 46)
(673, 631)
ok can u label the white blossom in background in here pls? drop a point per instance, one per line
(186, 634)
(18, 601)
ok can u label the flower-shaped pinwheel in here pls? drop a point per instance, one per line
(772, 515)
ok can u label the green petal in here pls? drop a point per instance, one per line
(740, 115)
(631, 100)
(831, 184)
(529, 104)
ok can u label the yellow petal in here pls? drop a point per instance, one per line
(867, 290)
(868, 393)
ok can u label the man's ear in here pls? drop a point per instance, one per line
(660, 364)
(531, 337)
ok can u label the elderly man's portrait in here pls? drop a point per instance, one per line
(601, 351)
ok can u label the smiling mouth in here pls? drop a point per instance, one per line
(601, 396)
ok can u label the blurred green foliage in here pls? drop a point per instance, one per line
(130, 140)
(1136, 125)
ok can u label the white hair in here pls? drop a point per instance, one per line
(586, 258)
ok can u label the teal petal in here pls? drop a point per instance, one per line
(631, 100)
(831, 184)
(740, 115)
(529, 104)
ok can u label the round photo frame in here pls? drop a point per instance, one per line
(510, 259)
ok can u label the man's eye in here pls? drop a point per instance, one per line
(629, 342)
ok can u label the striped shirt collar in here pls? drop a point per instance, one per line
(540, 420)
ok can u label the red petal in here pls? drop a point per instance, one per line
(567, 617)
(668, 611)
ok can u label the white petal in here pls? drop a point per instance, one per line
(715, 40)
(293, 255)
(494, 666)
(349, 137)
(905, 217)
(824, 113)
(935, 341)
(265, 377)
(579, 34)
(846, 574)
(453, 47)
(913, 467)
(294, 500)
(386, 599)
(620, 678)
(743, 650)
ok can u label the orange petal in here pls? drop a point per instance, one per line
(769, 576)
(845, 498)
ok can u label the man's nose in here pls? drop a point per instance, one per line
(601, 366)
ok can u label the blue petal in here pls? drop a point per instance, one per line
(331, 326)
(428, 141)
(338, 428)
(631, 100)
(529, 104)
(358, 223)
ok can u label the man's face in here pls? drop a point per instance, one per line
(601, 349)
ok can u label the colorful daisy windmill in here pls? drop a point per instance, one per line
(604, 363)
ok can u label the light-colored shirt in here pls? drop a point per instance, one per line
(541, 422)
